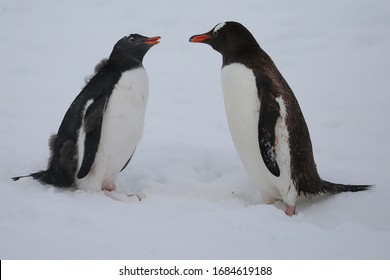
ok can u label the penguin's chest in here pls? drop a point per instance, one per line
(242, 105)
(123, 120)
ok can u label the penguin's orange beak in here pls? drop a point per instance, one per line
(152, 40)
(199, 38)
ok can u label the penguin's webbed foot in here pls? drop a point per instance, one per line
(135, 195)
(111, 187)
(122, 196)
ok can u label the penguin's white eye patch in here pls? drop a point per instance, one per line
(218, 27)
(131, 40)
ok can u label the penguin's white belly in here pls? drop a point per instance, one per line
(122, 128)
(242, 107)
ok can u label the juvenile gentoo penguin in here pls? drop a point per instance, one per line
(265, 120)
(103, 125)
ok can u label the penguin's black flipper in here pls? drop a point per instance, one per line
(93, 127)
(269, 114)
(128, 161)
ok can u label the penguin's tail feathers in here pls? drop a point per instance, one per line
(334, 188)
(41, 176)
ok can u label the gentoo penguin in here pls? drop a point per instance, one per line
(103, 125)
(265, 120)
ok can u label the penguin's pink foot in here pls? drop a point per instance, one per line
(122, 196)
(290, 210)
(109, 188)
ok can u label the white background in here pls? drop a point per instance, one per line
(103, 269)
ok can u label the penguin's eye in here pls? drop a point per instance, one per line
(131, 40)
(215, 33)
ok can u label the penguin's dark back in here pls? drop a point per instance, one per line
(301, 150)
(63, 161)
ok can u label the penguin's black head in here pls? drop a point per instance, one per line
(133, 48)
(227, 38)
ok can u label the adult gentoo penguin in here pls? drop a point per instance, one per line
(265, 120)
(103, 125)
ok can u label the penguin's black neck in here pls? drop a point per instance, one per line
(125, 63)
(240, 55)
(245, 55)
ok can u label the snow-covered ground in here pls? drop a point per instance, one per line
(197, 200)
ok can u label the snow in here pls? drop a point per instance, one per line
(197, 200)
